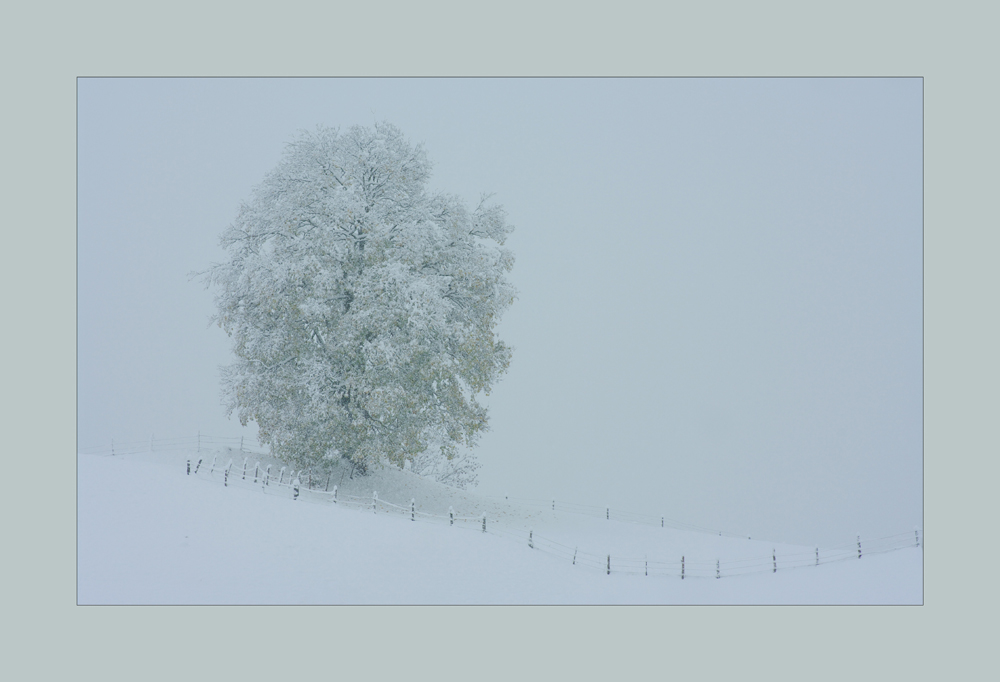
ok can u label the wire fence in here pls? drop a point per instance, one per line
(197, 443)
(300, 485)
(606, 512)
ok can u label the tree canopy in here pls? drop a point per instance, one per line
(362, 307)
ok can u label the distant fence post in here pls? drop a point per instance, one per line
(574, 555)
(916, 536)
(374, 502)
(335, 494)
(267, 475)
(661, 522)
(531, 543)
(189, 466)
(774, 560)
(646, 561)
(295, 488)
(682, 568)
(553, 505)
(817, 556)
(607, 513)
(212, 471)
(256, 470)
(718, 573)
(328, 481)
(859, 546)
(245, 468)
(451, 516)
(413, 509)
(609, 564)
(225, 480)
(198, 465)
(281, 474)
(484, 522)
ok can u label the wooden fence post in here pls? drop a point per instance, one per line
(256, 469)
(413, 509)
(295, 488)
(916, 536)
(212, 470)
(574, 555)
(609, 564)
(451, 516)
(682, 568)
(661, 522)
(553, 505)
(774, 559)
(281, 474)
(374, 502)
(267, 475)
(718, 573)
(531, 544)
(198, 465)
(484, 522)
(859, 546)
(335, 494)
(189, 466)
(817, 556)
(607, 512)
(245, 468)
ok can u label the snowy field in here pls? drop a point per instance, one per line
(149, 533)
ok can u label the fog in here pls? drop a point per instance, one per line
(720, 280)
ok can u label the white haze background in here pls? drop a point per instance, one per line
(720, 304)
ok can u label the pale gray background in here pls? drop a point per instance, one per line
(720, 280)
(952, 46)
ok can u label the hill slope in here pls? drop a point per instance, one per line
(150, 534)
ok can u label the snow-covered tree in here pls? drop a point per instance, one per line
(362, 307)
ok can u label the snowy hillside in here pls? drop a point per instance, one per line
(150, 533)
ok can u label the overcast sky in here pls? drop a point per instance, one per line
(720, 280)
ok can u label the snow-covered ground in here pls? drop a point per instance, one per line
(148, 533)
